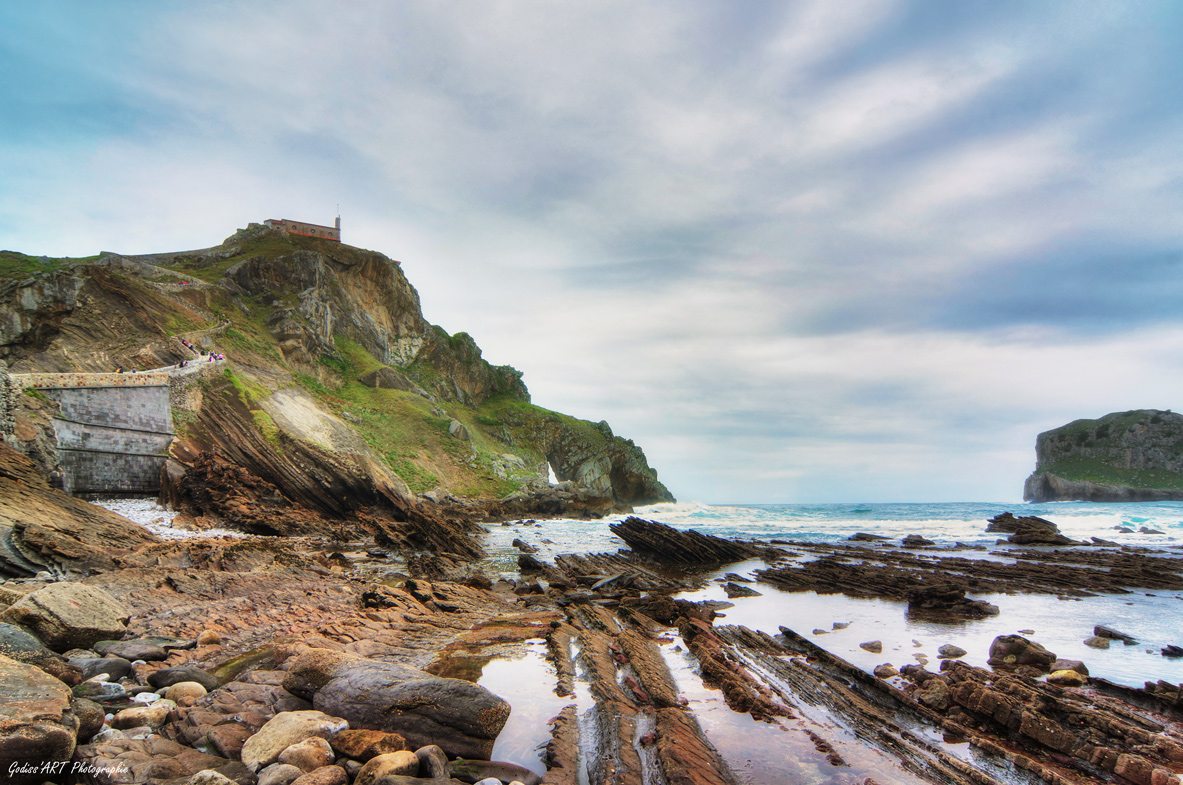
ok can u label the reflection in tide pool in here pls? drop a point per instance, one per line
(527, 683)
(1061, 625)
(772, 753)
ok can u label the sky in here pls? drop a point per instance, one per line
(799, 251)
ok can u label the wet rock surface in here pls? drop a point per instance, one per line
(685, 547)
(295, 634)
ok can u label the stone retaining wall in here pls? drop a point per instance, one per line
(43, 381)
(113, 431)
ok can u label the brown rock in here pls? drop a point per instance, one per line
(185, 693)
(279, 774)
(308, 755)
(325, 775)
(36, 721)
(1013, 651)
(875, 647)
(284, 730)
(668, 544)
(69, 615)
(209, 638)
(153, 716)
(403, 763)
(1067, 678)
(361, 744)
(228, 739)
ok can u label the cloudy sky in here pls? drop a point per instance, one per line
(799, 251)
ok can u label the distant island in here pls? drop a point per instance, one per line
(1132, 456)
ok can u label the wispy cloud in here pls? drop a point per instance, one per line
(811, 250)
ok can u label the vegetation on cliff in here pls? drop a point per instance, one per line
(1123, 456)
(329, 356)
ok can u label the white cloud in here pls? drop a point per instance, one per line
(733, 237)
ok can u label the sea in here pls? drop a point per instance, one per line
(1154, 618)
(767, 753)
(838, 623)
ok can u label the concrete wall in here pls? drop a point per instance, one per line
(113, 439)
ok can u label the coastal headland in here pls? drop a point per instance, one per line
(319, 610)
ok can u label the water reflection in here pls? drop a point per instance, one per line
(527, 682)
(1061, 625)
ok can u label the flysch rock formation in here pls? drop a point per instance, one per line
(1132, 456)
(333, 405)
(277, 659)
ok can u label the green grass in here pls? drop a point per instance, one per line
(1081, 469)
(268, 428)
(268, 246)
(250, 392)
(177, 324)
(14, 264)
(417, 479)
(406, 431)
(183, 421)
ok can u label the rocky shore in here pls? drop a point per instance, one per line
(321, 660)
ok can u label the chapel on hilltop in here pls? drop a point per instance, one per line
(306, 229)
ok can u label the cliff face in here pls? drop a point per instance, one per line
(1124, 456)
(338, 395)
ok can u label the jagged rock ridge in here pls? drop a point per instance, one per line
(339, 396)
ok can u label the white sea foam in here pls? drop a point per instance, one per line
(156, 519)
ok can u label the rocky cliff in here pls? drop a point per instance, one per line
(337, 397)
(1124, 456)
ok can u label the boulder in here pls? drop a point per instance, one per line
(285, 729)
(153, 716)
(90, 717)
(326, 775)
(875, 647)
(480, 770)
(432, 761)
(69, 615)
(458, 716)
(131, 650)
(1029, 530)
(916, 541)
(1012, 651)
(37, 722)
(386, 379)
(185, 693)
(279, 774)
(947, 601)
(115, 667)
(398, 764)
(1101, 631)
(1070, 665)
(167, 677)
(1067, 678)
(949, 651)
(308, 755)
(17, 643)
(1096, 642)
(361, 744)
(866, 537)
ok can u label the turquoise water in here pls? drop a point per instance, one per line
(1061, 624)
(945, 524)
